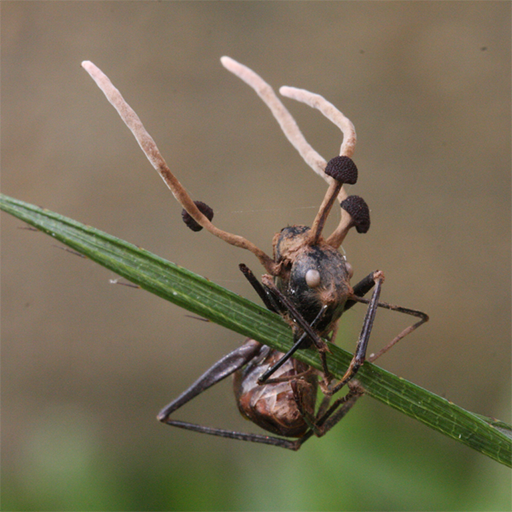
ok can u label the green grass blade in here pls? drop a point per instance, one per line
(200, 296)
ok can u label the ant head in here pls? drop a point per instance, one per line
(312, 276)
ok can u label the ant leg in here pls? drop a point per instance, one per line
(361, 286)
(327, 419)
(219, 371)
(413, 312)
(309, 419)
(229, 364)
(240, 436)
(362, 343)
(265, 296)
(361, 289)
(298, 344)
(320, 344)
(339, 409)
(275, 301)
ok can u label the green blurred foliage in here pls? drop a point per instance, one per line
(363, 464)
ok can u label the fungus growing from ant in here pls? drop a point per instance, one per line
(307, 282)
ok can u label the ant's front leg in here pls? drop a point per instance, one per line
(360, 354)
(319, 343)
(364, 286)
(223, 368)
(275, 301)
(362, 343)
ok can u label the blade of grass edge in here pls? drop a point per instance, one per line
(200, 296)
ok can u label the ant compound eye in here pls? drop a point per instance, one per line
(312, 278)
(350, 270)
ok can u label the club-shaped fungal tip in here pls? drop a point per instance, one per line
(357, 208)
(190, 222)
(342, 169)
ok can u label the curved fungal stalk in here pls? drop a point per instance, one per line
(281, 113)
(354, 213)
(346, 151)
(297, 139)
(333, 114)
(150, 149)
(330, 112)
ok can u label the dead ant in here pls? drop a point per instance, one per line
(308, 283)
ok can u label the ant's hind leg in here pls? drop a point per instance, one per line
(223, 368)
(362, 343)
(219, 371)
(327, 417)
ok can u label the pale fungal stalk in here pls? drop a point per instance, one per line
(280, 112)
(148, 145)
(287, 122)
(313, 100)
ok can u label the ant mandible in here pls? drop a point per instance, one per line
(307, 282)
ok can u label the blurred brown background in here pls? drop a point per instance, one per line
(86, 365)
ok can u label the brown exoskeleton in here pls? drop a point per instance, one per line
(307, 282)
